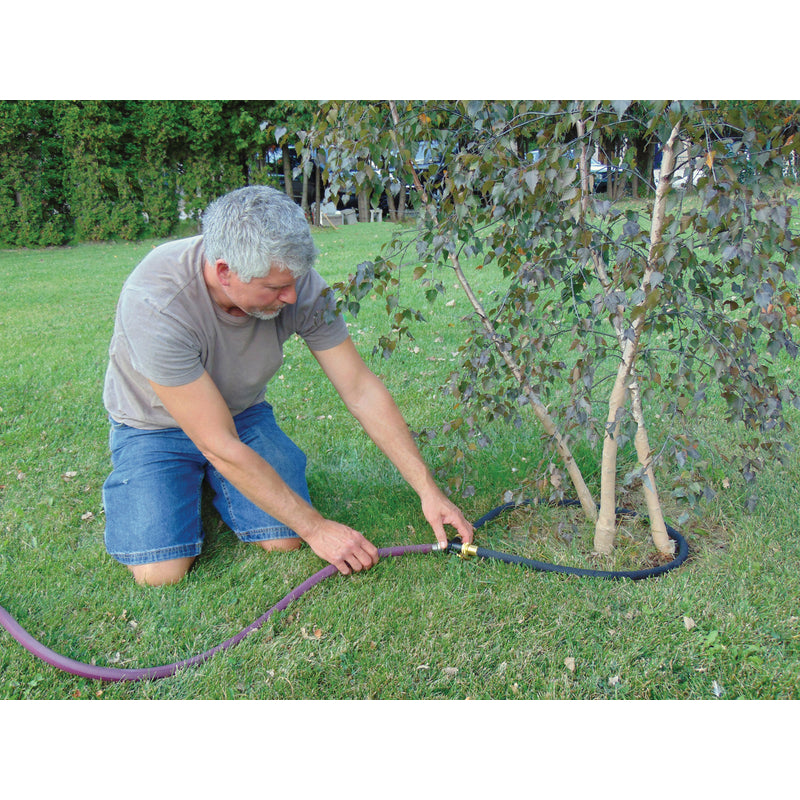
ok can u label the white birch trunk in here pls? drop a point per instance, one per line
(605, 529)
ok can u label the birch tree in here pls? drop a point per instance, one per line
(672, 302)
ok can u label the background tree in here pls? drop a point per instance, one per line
(689, 297)
(102, 169)
(32, 207)
(288, 123)
(99, 172)
(159, 130)
(212, 155)
(367, 170)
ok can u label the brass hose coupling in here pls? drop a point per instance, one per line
(468, 551)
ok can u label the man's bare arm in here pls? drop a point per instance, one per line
(370, 402)
(200, 411)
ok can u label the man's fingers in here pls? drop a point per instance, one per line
(368, 555)
(356, 563)
(439, 532)
(363, 557)
(343, 547)
(465, 530)
(450, 515)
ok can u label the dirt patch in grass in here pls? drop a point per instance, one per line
(562, 535)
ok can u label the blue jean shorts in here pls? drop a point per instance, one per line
(152, 497)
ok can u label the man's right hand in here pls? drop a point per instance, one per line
(201, 412)
(341, 546)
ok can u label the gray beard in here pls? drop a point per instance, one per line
(264, 315)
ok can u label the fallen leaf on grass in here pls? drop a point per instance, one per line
(317, 633)
(689, 623)
(569, 663)
(87, 517)
(450, 671)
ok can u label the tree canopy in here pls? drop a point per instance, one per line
(609, 311)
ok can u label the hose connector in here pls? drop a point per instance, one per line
(462, 549)
(468, 550)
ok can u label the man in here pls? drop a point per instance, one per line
(198, 334)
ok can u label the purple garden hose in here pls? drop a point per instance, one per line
(153, 673)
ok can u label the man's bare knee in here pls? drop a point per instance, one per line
(160, 573)
(280, 545)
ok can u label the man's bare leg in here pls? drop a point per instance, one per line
(160, 573)
(174, 570)
(280, 545)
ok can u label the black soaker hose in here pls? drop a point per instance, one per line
(153, 673)
(541, 566)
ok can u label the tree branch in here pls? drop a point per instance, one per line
(539, 409)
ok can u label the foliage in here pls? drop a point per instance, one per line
(94, 170)
(32, 208)
(287, 125)
(710, 304)
(98, 169)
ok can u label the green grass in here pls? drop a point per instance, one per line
(419, 627)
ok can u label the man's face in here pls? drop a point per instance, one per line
(262, 298)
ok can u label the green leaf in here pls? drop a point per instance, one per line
(532, 178)
(620, 106)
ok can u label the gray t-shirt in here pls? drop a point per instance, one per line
(169, 330)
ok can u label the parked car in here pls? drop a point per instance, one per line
(600, 174)
(429, 165)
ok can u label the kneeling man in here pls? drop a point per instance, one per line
(199, 332)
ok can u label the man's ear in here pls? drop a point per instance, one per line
(223, 271)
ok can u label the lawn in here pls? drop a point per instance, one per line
(725, 625)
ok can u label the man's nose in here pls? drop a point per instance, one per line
(288, 295)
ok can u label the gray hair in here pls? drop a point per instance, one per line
(255, 229)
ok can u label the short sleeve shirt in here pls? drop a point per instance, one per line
(168, 330)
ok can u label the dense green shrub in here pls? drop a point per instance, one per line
(94, 170)
(32, 210)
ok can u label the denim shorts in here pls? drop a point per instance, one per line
(153, 495)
